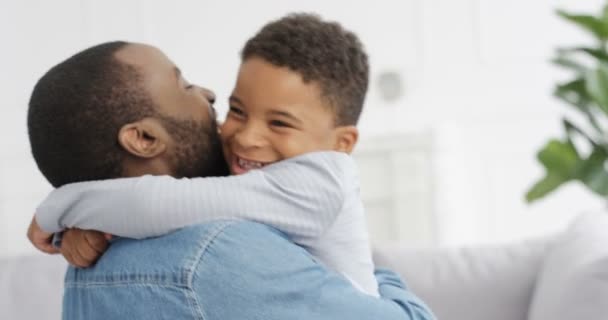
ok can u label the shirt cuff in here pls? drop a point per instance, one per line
(57, 237)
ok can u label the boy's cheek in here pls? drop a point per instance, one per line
(226, 129)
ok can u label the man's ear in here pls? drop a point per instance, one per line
(346, 138)
(143, 139)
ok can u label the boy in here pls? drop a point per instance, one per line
(300, 89)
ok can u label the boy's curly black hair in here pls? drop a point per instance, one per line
(322, 52)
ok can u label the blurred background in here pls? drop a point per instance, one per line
(458, 105)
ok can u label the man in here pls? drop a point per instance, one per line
(121, 110)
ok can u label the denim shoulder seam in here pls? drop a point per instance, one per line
(193, 262)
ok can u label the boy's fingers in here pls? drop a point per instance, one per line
(69, 248)
(40, 239)
(67, 254)
(79, 261)
(97, 241)
(47, 248)
(83, 247)
(86, 252)
(82, 252)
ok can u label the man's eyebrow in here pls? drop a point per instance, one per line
(178, 73)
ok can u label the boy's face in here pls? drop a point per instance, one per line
(274, 115)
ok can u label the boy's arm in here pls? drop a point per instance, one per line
(300, 196)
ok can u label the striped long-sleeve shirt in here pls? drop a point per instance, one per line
(313, 198)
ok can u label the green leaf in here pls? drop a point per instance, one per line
(561, 161)
(588, 93)
(593, 52)
(572, 128)
(596, 53)
(596, 82)
(574, 93)
(605, 14)
(570, 64)
(590, 23)
(559, 158)
(545, 186)
(592, 172)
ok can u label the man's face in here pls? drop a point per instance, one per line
(185, 111)
(274, 115)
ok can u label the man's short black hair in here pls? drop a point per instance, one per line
(321, 52)
(76, 111)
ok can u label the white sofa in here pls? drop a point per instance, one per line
(477, 283)
(560, 277)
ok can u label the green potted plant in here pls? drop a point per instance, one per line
(581, 154)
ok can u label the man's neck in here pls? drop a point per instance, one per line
(136, 167)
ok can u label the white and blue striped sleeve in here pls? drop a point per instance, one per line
(300, 196)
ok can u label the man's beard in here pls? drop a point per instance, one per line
(198, 149)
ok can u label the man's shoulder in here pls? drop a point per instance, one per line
(172, 258)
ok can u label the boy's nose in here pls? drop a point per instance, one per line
(249, 137)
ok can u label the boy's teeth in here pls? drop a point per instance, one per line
(249, 164)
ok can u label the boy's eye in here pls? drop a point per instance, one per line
(236, 111)
(279, 123)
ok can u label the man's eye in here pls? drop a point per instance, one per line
(190, 86)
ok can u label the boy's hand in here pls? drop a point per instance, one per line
(82, 248)
(40, 239)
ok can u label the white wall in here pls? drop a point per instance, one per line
(476, 76)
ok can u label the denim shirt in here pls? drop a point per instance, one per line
(221, 271)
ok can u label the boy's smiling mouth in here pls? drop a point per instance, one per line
(240, 165)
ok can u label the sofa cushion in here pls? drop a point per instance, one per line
(481, 283)
(31, 287)
(573, 282)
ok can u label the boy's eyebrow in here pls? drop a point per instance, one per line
(286, 115)
(234, 99)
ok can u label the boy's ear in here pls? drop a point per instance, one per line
(346, 138)
(143, 139)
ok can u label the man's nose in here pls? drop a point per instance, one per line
(208, 94)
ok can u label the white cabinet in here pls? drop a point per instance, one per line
(397, 188)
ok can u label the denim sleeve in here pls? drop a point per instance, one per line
(392, 288)
(395, 302)
(252, 271)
